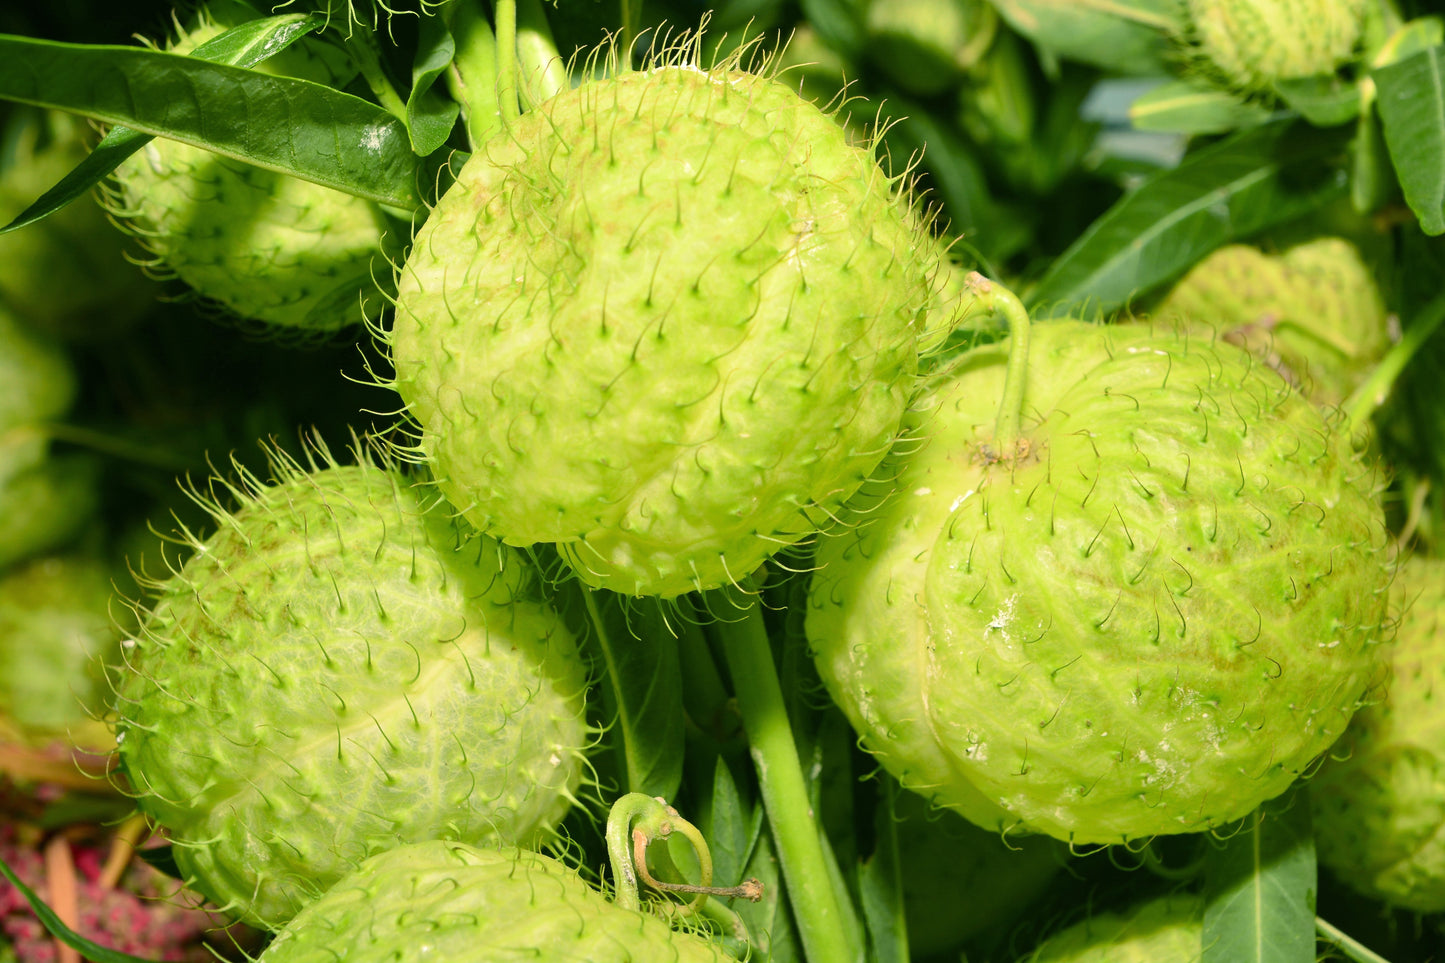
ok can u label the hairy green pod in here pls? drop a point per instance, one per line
(668, 320)
(1254, 43)
(1379, 810)
(329, 676)
(1314, 312)
(1149, 619)
(1169, 929)
(466, 904)
(264, 246)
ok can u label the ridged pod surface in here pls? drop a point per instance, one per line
(328, 677)
(668, 320)
(266, 247)
(1257, 42)
(1149, 621)
(1379, 801)
(1169, 929)
(464, 904)
(1314, 311)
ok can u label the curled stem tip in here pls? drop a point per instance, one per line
(635, 821)
(992, 296)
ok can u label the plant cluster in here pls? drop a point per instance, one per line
(844, 480)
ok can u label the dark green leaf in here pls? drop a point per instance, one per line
(880, 884)
(638, 647)
(243, 46)
(278, 123)
(1411, 101)
(1233, 188)
(1372, 179)
(733, 832)
(1259, 888)
(430, 117)
(839, 23)
(58, 929)
(1324, 101)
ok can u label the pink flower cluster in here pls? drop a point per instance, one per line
(144, 915)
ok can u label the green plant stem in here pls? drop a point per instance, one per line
(805, 864)
(472, 74)
(630, 13)
(506, 21)
(1353, 948)
(995, 297)
(537, 56)
(1371, 393)
(363, 48)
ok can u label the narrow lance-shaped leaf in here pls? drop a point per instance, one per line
(279, 123)
(58, 929)
(1229, 190)
(643, 689)
(1410, 95)
(880, 883)
(1260, 888)
(243, 46)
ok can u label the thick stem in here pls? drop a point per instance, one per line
(996, 297)
(472, 75)
(817, 911)
(506, 20)
(367, 57)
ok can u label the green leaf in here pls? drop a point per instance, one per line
(838, 22)
(58, 929)
(277, 123)
(638, 647)
(1325, 101)
(880, 884)
(1372, 179)
(1228, 190)
(1184, 107)
(1259, 888)
(242, 46)
(430, 117)
(732, 832)
(1122, 36)
(1411, 100)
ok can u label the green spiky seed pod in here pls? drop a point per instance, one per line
(1378, 804)
(1165, 930)
(1254, 43)
(669, 320)
(266, 247)
(1314, 312)
(328, 676)
(56, 638)
(470, 905)
(1148, 618)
